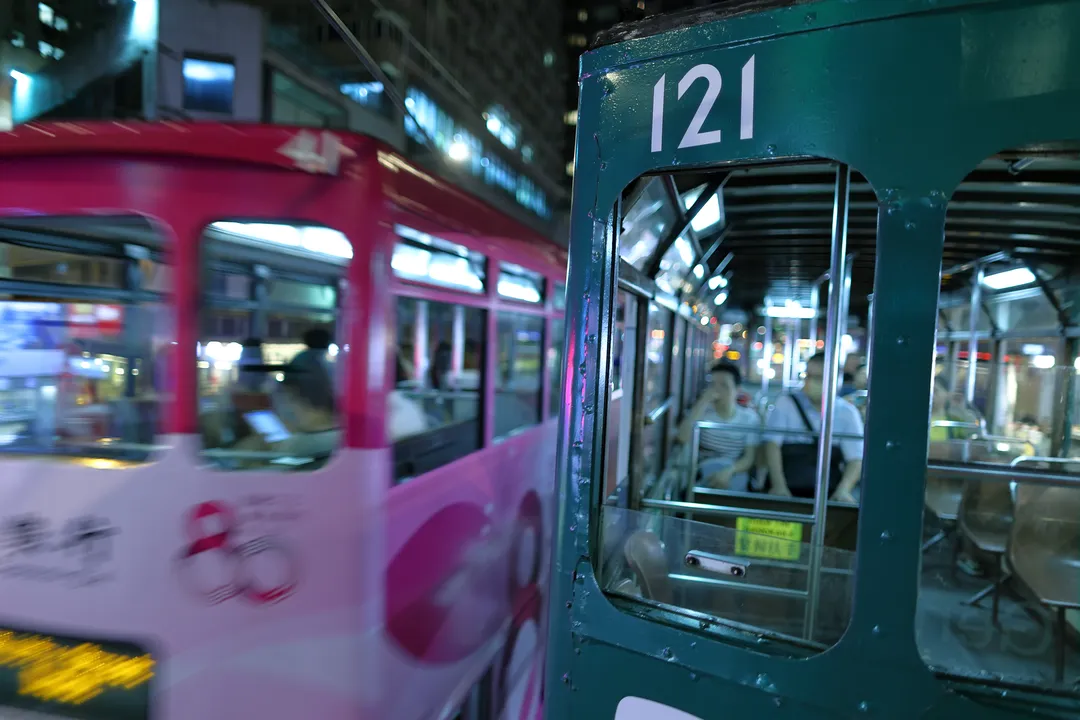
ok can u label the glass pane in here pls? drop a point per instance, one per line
(686, 565)
(82, 376)
(66, 268)
(675, 266)
(657, 352)
(269, 375)
(1008, 610)
(560, 296)
(435, 413)
(517, 283)
(517, 385)
(644, 223)
(429, 259)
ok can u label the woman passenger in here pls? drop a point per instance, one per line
(726, 454)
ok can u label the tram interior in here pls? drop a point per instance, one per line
(694, 529)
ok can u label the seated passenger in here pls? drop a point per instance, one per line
(792, 459)
(726, 455)
(943, 407)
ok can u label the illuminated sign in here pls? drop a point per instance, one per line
(66, 677)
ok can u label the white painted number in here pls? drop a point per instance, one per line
(694, 135)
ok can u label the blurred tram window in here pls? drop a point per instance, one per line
(435, 410)
(85, 338)
(519, 371)
(269, 379)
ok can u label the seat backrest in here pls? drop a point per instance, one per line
(1047, 523)
(987, 506)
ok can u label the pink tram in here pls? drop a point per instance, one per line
(336, 506)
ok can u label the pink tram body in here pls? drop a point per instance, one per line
(206, 581)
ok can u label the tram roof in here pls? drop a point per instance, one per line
(776, 220)
(264, 145)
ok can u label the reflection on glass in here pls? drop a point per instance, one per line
(657, 357)
(644, 223)
(674, 266)
(646, 558)
(520, 367)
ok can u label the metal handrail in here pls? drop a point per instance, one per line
(736, 585)
(656, 414)
(727, 511)
(983, 471)
(1048, 460)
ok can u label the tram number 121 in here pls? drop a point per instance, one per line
(693, 136)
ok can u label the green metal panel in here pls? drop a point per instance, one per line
(913, 94)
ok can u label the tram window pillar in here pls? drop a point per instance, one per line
(259, 292)
(132, 283)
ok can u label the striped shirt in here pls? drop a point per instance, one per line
(729, 442)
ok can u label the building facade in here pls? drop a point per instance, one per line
(242, 61)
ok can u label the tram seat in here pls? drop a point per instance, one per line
(1044, 553)
(645, 555)
(986, 520)
(421, 453)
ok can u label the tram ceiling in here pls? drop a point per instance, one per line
(775, 220)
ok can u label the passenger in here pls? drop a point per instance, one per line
(726, 454)
(792, 459)
(318, 341)
(848, 387)
(944, 407)
(304, 405)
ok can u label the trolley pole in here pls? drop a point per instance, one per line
(833, 324)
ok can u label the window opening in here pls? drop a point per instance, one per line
(269, 376)
(85, 337)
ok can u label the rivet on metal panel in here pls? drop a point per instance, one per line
(901, 340)
(886, 535)
(890, 444)
(810, 18)
(566, 678)
(864, 706)
(876, 630)
(666, 652)
(909, 225)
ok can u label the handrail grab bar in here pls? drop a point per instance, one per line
(984, 471)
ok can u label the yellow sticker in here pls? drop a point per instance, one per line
(768, 538)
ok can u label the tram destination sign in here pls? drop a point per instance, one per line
(53, 677)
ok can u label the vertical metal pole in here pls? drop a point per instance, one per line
(766, 357)
(815, 303)
(869, 339)
(789, 349)
(953, 366)
(995, 390)
(828, 391)
(973, 338)
(845, 308)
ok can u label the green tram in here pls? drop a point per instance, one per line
(827, 190)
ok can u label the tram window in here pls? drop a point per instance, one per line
(268, 371)
(434, 412)
(517, 384)
(997, 591)
(797, 585)
(517, 283)
(84, 330)
(650, 215)
(62, 268)
(421, 257)
(555, 365)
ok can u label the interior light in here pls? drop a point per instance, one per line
(704, 321)
(699, 272)
(317, 240)
(720, 299)
(208, 70)
(717, 282)
(332, 350)
(1029, 349)
(708, 216)
(1009, 279)
(1043, 362)
(508, 287)
(790, 310)
(1076, 365)
(19, 76)
(494, 125)
(458, 151)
